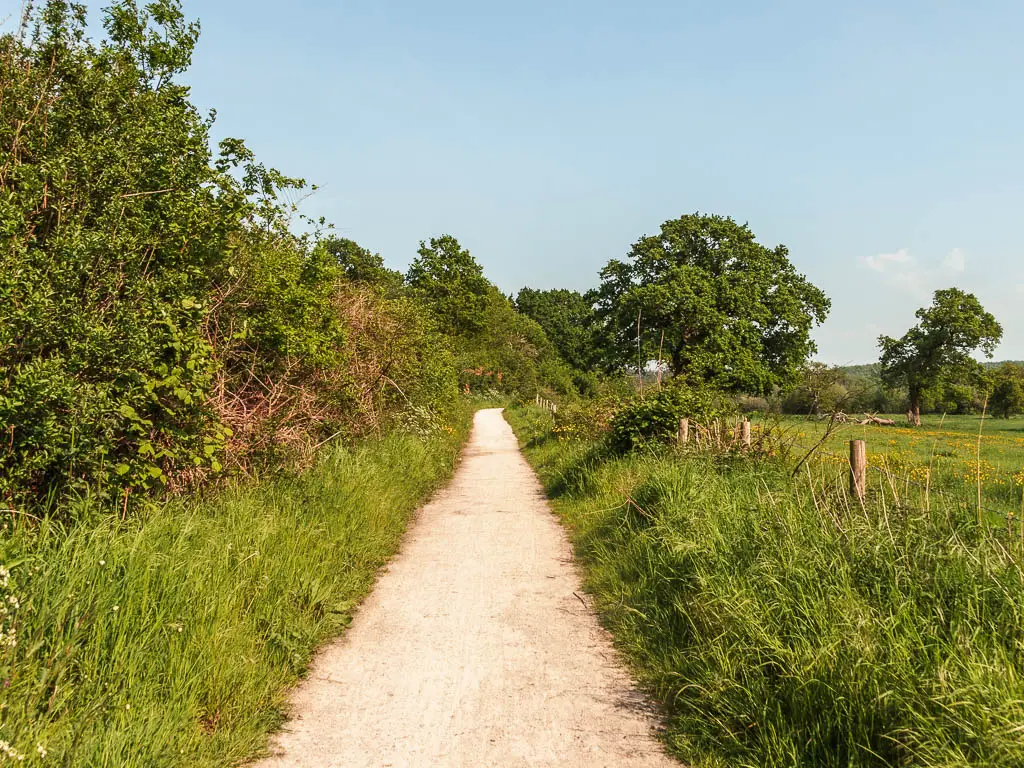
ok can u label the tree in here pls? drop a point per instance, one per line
(567, 318)
(450, 281)
(360, 265)
(734, 313)
(821, 389)
(938, 349)
(1007, 398)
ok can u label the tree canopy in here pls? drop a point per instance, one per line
(567, 318)
(358, 264)
(1007, 398)
(938, 349)
(451, 282)
(733, 313)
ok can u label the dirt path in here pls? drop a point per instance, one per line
(473, 649)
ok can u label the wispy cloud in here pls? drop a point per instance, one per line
(885, 261)
(901, 268)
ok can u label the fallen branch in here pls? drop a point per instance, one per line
(872, 419)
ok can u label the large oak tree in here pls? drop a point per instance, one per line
(733, 312)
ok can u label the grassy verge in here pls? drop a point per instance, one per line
(779, 625)
(173, 639)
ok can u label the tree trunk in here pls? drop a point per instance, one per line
(676, 361)
(914, 414)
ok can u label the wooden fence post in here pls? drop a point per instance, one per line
(858, 468)
(684, 431)
(745, 433)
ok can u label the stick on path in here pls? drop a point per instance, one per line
(473, 648)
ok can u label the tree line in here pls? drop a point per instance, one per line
(720, 310)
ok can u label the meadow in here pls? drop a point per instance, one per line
(951, 455)
(777, 622)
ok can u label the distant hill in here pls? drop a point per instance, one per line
(870, 369)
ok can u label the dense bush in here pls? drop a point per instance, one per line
(114, 218)
(655, 418)
(510, 352)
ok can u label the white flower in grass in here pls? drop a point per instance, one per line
(8, 751)
(41, 750)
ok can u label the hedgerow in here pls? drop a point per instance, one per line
(160, 319)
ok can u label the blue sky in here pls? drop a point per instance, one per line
(880, 141)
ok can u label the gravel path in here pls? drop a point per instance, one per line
(473, 648)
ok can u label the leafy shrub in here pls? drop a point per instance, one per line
(655, 418)
(586, 418)
(113, 217)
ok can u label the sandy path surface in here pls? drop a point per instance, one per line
(473, 649)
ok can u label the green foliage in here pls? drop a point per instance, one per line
(450, 281)
(274, 308)
(655, 418)
(819, 389)
(938, 349)
(513, 349)
(397, 358)
(159, 320)
(173, 639)
(1007, 398)
(779, 626)
(113, 218)
(360, 265)
(567, 318)
(588, 418)
(734, 314)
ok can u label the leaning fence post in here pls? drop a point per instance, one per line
(858, 468)
(745, 433)
(684, 431)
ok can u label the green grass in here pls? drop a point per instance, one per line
(942, 454)
(172, 640)
(780, 625)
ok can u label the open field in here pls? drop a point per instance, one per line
(943, 455)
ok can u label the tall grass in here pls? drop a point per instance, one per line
(780, 625)
(172, 640)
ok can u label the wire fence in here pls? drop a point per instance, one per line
(905, 479)
(894, 476)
